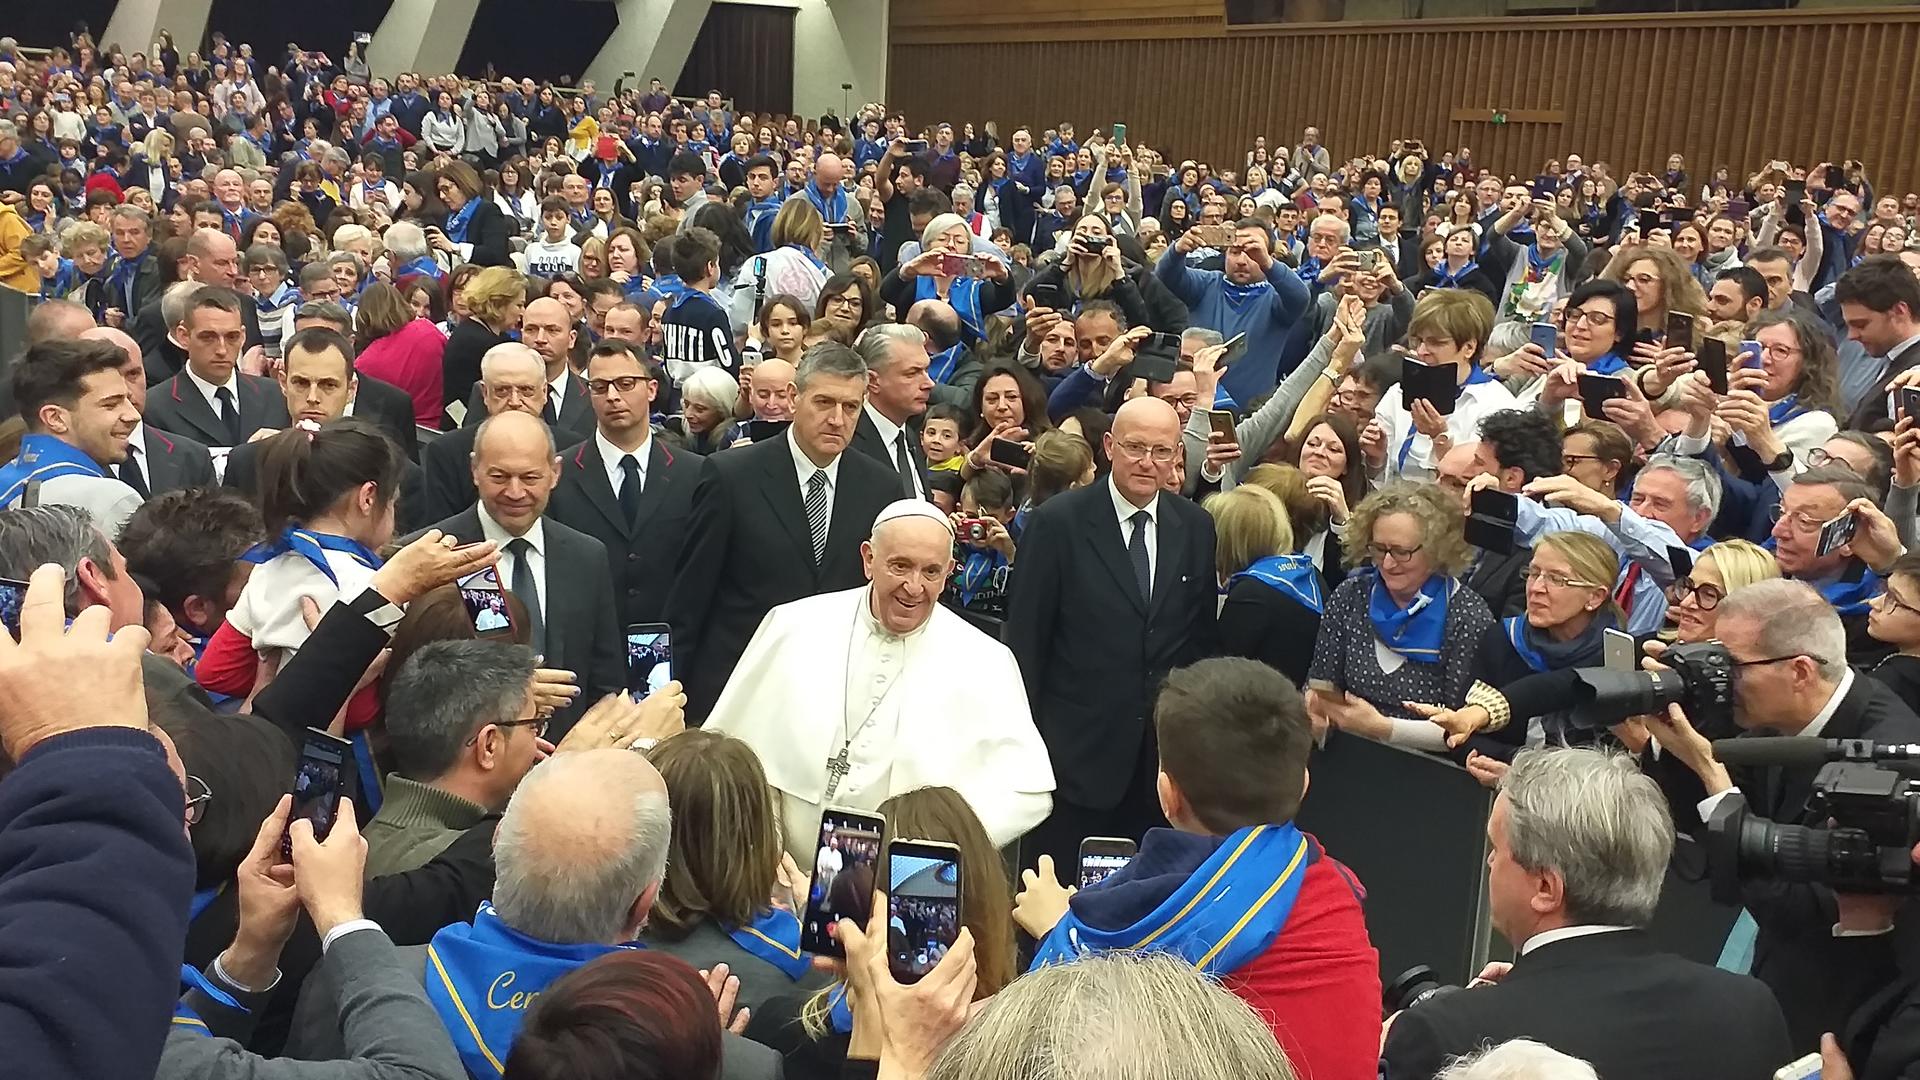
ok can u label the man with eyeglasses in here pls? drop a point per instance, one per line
(1790, 678)
(1816, 497)
(512, 377)
(1116, 587)
(625, 488)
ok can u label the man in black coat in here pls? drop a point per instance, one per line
(559, 574)
(1116, 587)
(897, 392)
(1580, 842)
(211, 258)
(625, 488)
(1792, 679)
(210, 400)
(512, 377)
(774, 522)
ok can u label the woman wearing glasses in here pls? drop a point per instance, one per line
(1403, 627)
(1661, 283)
(1787, 404)
(1693, 602)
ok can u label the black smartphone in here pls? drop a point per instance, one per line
(924, 883)
(1597, 390)
(915, 146)
(1679, 330)
(1046, 295)
(1836, 533)
(762, 430)
(1436, 384)
(1909, 406)
(1543, 188)
(1236, 348)
(1546, 336)
(1157, 358)
(1712, 358)
(318, 782)
(843, 877)
(486, 602)
(1093, 245)
(1795, 191)
(649, 658)
(1010, 453)
(1491, 517)
(13, 597)
(1103, 856)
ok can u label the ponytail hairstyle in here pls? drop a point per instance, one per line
(303, 473)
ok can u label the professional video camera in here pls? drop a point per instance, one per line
(1699, 677)
(1875, 813)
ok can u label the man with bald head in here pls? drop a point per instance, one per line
(512, 379)
(578, 861)
(1094, 636)
(156, 461)
(560, 574)
(905, 728)
(230, 192)
(211, 258)
(547, 328)
(828, 194)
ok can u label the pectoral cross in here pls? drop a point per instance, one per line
(837, 770)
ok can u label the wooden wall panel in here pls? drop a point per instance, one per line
(1728, 88)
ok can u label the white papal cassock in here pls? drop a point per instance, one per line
(942, 706)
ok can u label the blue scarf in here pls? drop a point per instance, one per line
(192, 979)
(1851, 597)
(832, 212)
(282, 296)
(456, 227)
(1785, 409)
(964, 294)
(1237, 296)
(1293, 575)
(760, 215)
(774, 936)
(120, 281)
(977, 572)
(1444, 278)
(671, 288)
(1609, 364)
(425, 264)
(42, 458)
(941, 365)
(482, 978)
(583, 220)
(1543, 653)
(1226, 914)
(313, 547)
(1019, 163)
(1309, 271)
(1418, 630)
(810, 257)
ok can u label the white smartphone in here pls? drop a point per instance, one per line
(1617, 650)
(1807, 1068)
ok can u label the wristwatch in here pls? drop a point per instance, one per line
(1781, 463)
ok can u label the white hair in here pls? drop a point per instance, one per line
(1598, 820)
(1518, 1059)
(405, 241)
(1792, 620)
(1704, 488)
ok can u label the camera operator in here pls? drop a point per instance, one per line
(1882, 1039)
(1579, 846)
(1790, 677)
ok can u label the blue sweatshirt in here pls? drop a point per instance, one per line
(1264, 313)
(95, 877)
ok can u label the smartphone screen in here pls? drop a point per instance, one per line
(1713, 361)
(843, 877)
(1103, 856)
(13, 596)
(486, 603)
(923, 906)
(649, 658)
(1236, 348)
(317, 784)
(1836, 533)
(1119, 133)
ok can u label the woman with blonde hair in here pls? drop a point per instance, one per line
(792, 267)
(593, 258)
(731, 895)
(493, 298)
(1693, 601)
(1273, 599)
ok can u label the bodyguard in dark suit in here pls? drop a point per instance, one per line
(512, 378)
(774, 522)
(559, 574)
(164, 462)
(1793, 679)
(897, 393)
(1116, 585)
(211, 258)
(1588, 981)
(572, 421)
(627, 489)
(210, 400)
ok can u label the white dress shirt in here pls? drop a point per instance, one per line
(1548, 937)
(890, 434)
(610, 456)
(536, 558)
(557, 390)
(804, 468)
(231, 386)
(137, 453)
(1125, 511)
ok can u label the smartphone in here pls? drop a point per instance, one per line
(1119, 133)
(843, 877)
(1795, 191)
(1546, 336)
(13, 597)
(1010, 453)
(1221, 421)
(1491, 517)
(1157, 358)
(1749, 353)
(1806, 1068)
(1236, 348)
(1836, 533)
(1046, 295)
(317, 785)
(361, 37)
(954, 265)
(649, 658)
(1093, 245)
(1369, 258)
(924, 883)
(1680, 331)
(487, 606)
(762, 430)
(1216, 235)
(915, 146)
(1712, 358)
(1543, 189)
(1617, 649)
(1436, 384)
(1909, 406)
(1597, 390)
(1103, 856)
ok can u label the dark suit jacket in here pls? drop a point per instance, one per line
(748, 549)
(583, 633)
(446, 485)
(488, 231)
(1092, 650)
(460, 360)
(866, 439)
(175, 461)
(1818, 978)
(176, 406)
(161, 356)
(576, 421)
(642, 557)
(1611, 999)
(1873, 407)
(1501, 580)
(388, 407)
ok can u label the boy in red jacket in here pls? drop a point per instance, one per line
(1235, 887)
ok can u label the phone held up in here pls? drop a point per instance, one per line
(318, 782)
(13, 597)
(1101, 857)
(487, 606)
(924, 883)
(843, 877)
(649, 658)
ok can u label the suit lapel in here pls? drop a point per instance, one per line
(163, 472)
(653, 492)
(781, 487)
(573, 402)
(194, 410)
(1103, 533)
(1171, 537)
(592, 475)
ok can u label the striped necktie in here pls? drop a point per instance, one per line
(819, 511)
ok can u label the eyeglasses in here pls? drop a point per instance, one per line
(1706, 597)
(1818, 457)
(843, 301)
(1384, 552)
(1887, 599)
(537, 723)
(1797, 521)
(623, 383)
(1161, 455)
(1738, 664)
(1559, 580)
(1641, 279)
(1591, 318)
(1568, 461)
(198, 796)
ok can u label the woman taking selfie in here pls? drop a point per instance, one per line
(946, 270)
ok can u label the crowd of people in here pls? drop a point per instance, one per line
(1017, 492)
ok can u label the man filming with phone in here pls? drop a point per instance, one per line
(1255, 294)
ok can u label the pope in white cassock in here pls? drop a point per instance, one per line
(850, 698)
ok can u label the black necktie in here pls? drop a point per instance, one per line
(905, 461)
(527, 589)
(130, 473)
(229, 416)
(630, 489)
(548, 412)
(1137, 548)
